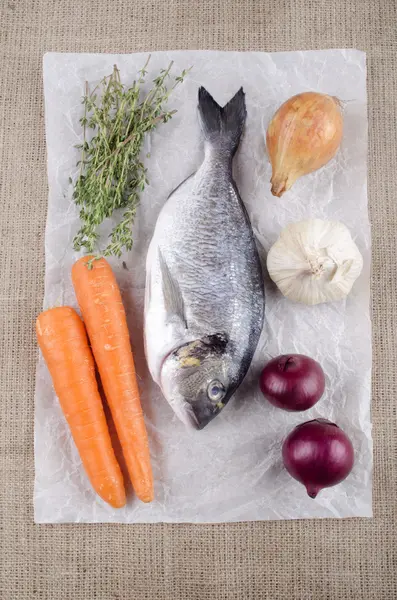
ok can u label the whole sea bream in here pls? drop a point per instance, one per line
(204, 300)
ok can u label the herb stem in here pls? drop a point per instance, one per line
(112, 174)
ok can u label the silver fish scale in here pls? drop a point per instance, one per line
(210, 251)
(213, 264)
(204, 296)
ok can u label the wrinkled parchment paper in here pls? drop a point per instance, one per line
(232, 470)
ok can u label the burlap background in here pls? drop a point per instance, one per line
(319, 560)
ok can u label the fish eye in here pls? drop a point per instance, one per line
(216, 392)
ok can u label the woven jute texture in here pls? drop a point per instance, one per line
(328, 559)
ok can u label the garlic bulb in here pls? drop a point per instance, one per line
(314, 261)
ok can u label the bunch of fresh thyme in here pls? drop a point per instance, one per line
(112, 174)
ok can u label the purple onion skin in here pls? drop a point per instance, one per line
(318, 454)
(293, 382)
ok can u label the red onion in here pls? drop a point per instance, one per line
(318, 454)
(292, 382)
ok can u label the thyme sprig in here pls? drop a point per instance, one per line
(112, 174)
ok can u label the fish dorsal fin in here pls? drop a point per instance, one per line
(173, 300)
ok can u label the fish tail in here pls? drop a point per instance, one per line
(222, 126)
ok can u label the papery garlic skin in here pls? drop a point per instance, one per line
(314, 261)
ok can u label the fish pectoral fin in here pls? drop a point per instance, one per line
(173, 300)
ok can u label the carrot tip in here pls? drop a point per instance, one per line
(146, 498)
(116, 504)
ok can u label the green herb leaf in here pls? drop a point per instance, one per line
(112, 175)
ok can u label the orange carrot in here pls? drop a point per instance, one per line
(63, 341)
(103, 312)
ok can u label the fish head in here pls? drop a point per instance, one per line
(198, 379)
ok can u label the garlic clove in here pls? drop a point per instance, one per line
(314, 261)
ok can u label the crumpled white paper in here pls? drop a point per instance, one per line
(232, 470)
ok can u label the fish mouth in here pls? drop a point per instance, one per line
(192, 417)
(204, 411)
(195, 414)
(202, 417)
(204, 422)
(198, 413)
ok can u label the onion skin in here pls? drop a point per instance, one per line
(293, 382)
(303, 135)
(318, 454)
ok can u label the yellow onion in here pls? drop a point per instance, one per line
(304, 134)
